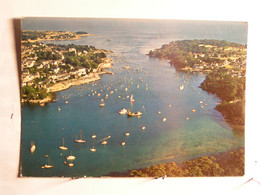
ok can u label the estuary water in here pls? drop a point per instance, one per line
(155, 87)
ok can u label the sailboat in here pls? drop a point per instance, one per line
(63, 147)
(93, 149)
(47, 166)
(132, 99)
(80, 140)
(102, 103)
(33, 147)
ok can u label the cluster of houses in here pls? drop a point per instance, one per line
(235, 64)
(43, 73)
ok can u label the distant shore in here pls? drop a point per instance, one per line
(78, 36)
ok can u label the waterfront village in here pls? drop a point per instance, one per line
(49, 67)
(205, 56)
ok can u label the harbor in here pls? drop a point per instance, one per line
(144, 114)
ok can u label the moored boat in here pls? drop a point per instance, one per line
(93, 149)
(63, 147)
(33, 147)
(102, 103)
(47, 166)
(132, 100)
(71, 157)
(80, 140)
(123, 111)
(104, 142)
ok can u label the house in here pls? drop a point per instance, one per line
(56, 70)
(73, 50)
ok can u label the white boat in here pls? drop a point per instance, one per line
(93, 149)
(70, 164)
(33, 147)
(104, 142)
(132, 99)
(47, 166)
(181, 87)
(164, 119)
(122, 143)
(102, 103)
(63, 147)
(123, 111)
(94, 136)
(71, 157)
(80, 140)
(127, 133)
(59, 109)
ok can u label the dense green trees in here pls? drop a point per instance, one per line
(47, 55)
(32, 93)
(231, 91)
(227, 164)
(226, 87)
(90, 60)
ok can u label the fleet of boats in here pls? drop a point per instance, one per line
(123, 111)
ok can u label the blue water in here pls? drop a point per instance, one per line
(176, 139)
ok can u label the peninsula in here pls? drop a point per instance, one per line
(48, 68)
(225, 65)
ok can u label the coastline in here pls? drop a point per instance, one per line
(74, 82)
(91, 77)
(222, 159)
(59, 39)
(63, 85)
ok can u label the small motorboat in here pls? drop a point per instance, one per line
(71, 157)
(123, 111)
(104, 142)
(33, 147)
